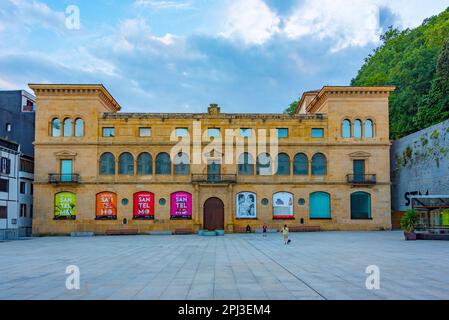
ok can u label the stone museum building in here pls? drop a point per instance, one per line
(100, 170)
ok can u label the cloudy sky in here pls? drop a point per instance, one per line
(181, 55)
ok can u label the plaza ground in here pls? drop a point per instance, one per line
(328, 265)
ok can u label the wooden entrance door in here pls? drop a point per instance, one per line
(214, 214)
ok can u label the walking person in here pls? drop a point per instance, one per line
(285, 233)
(264, 230)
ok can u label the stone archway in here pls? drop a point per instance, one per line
(213, 212)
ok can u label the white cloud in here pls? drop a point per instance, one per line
(135, 36)
(32, 13)
(347, 23)
(155, 4)
(8, 85)
(250, 21)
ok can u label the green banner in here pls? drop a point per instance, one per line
(65, 205)
(445, 218)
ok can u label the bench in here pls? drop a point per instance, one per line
(304, 229)
(241, 230)
(122, 232)
(179, 232)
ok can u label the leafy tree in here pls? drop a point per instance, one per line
(291, 110)
(408, 59)
(435, 105)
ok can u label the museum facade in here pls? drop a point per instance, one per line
(100, 170)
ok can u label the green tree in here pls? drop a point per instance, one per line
(435, 105)
(408, 59)
(291, 110)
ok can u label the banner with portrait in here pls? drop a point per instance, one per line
(246, 205)
(283, 206)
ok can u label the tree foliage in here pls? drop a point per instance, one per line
(417, 62)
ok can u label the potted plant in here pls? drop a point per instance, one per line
(408, 224)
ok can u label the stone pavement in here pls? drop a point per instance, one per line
(328, 265)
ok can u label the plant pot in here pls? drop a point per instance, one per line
(410, 236)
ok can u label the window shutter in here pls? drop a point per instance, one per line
(8, 166)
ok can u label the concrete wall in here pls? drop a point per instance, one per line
(22, 123)
(420, 165)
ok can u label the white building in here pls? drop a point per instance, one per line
(16, 200)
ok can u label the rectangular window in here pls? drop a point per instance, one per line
(282, 133)
(246, 133)
(31, 188)
(4, 185)
(5, 165)
(23, 210)
(214, 133)
(23, 187)
(145, 132)
(317, 133)
(66, 170)
(182, 132)
(31, 211)
(359, 170)
(26, 166)
(3, 212)
(108, 132)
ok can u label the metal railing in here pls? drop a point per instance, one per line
(63, 178)
(362, 179)
(214, 178)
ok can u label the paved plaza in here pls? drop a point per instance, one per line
(328, 265)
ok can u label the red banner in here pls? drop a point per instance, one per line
(144, 205)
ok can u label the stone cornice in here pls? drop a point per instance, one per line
(168, 143)
(77, 89)
(205, 116)
(326, 91)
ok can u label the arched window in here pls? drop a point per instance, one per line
(79, 127)
(107, 164)
(360, 205)
(283, 165)
(163, 164)
(346, 129)
(145, 164)
(320, 205)
(126, 164)
(264, 165)
(319, 165)
(56, 127)
(246, 164)
(369, 131)
(182, 164)
(357, 129)
(68, 128)
(301, 165)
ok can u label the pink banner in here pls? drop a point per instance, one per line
(181, 205)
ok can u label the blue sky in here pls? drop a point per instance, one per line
(181, 55)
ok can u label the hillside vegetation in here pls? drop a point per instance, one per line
(417, 62)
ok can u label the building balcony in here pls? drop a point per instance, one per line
(214, 178)
(54, 178)
(362, 179)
